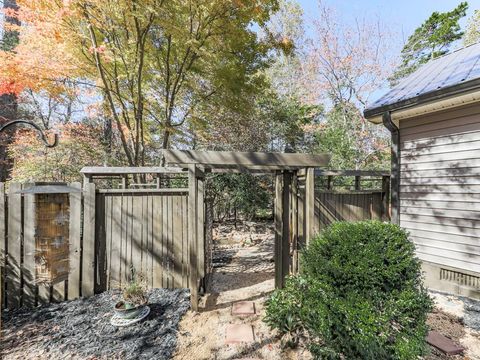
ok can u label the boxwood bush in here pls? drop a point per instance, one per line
(359, 295)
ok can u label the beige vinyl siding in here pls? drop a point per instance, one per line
(440, 186)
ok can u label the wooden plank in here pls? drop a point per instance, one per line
(137, 232)
(75, 242)
(285, 240)
(88, 248)
(201, 224)
(185, 247)
(112, 170)
(14, 291)
(294, 224)
(144, 191)
(115, 219)
(165, 237)
(244, 158)
(28, 271)
(278, 229)
(192, 225)
(157, 242)
(364, 173)
(309, 204)
(3, 245)
(177, 241)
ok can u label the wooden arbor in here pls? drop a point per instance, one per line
(294, 201)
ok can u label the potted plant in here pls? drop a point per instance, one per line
(134, 296)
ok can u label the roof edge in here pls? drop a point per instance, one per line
(424, 98)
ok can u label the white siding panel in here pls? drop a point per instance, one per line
(440, 186)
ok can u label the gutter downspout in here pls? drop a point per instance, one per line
(395, 166)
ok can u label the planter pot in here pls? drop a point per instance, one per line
(126, 310)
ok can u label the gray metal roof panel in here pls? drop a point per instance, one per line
(444, 72)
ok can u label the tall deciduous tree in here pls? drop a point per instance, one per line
(347, 64)
(8, 101)
(472, 33)
(153, 61)
(432, 39)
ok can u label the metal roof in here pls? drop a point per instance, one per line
(451, 74)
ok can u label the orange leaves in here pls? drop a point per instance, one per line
(43, 59)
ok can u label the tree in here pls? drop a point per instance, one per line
(152, 61)
(8, 102)
(80, 144)
(472, 33)
(345, 65)
(432, 39)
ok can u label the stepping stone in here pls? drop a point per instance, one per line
(443, 343)
(239, 333)
(243, 308)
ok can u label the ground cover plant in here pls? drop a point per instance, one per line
(359, 295)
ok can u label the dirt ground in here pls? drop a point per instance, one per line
(244, 271)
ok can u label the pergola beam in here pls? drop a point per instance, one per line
(251, 160)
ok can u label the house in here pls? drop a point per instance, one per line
(434, 119)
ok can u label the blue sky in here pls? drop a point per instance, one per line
(403, 15)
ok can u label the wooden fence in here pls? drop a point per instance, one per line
(146, 230)
(341, 196)
(19, 285)
(163, 233)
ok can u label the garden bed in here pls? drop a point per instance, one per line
(80, 329)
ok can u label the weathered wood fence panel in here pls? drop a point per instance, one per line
(351, 195)
(355, 206)
(19, 283)
(143, 230)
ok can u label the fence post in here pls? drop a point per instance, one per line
(88, 248)
(357, 183)
(73, 291)
(279, 185)
(14, 245)
(309, 204)
(29, 214)
(192, 233)
(3, 242)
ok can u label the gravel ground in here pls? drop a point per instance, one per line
(80, 329)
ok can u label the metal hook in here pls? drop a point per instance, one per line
(38, 128)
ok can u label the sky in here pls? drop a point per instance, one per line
(404, 16)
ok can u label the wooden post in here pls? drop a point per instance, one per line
(192, 234)
(309, 204)
(29, 250)
(200, 175)
(357, 183)
(329, 182)
(73, 291)
(294, 222)
(278, 229)
(14, 245)
(3, 242)
(88, 248)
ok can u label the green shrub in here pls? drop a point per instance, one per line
(359, 295)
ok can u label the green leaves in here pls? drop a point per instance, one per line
(432, 39)
(359, 295)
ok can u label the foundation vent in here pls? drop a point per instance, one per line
(460, 278)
